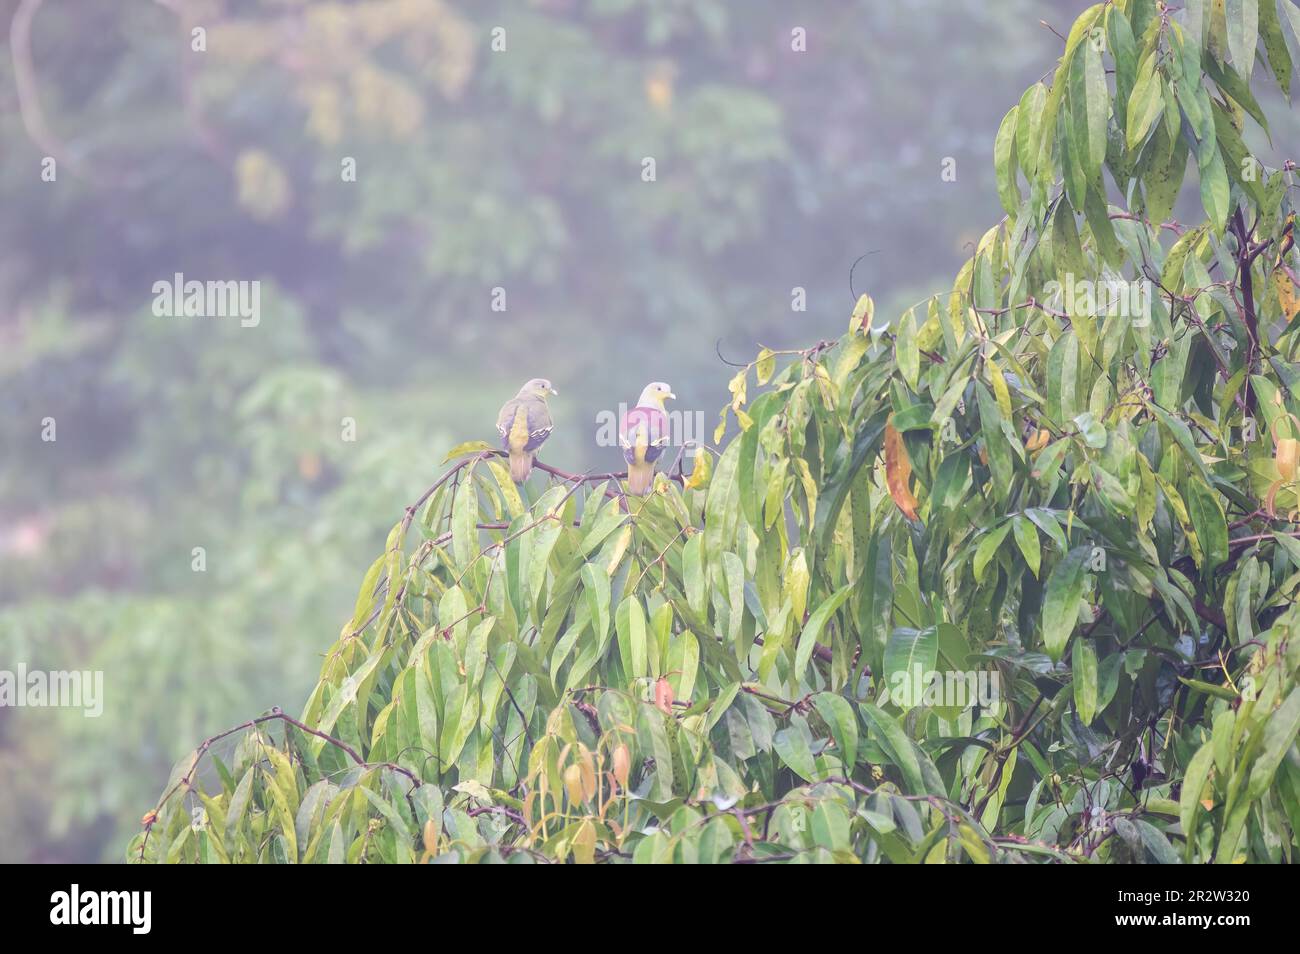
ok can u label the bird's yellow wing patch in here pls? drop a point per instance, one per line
(519, 429)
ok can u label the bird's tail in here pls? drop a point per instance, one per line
(521, 465)
(640, 477)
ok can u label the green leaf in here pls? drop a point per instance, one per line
(813, 628)
(595, 584)
(1156, 843)
(467, 448)
(1215, 191)
(910, 656)
(1090, 108)
(896, 745)
(1209, 688)
(1103, 233)
(1183, 437)
(629, 621)
(1004, 165)
(1242, 17)
(1145, 104)
(1061, 605)
(722, 505)
(1027, 541)
(1279, 57)
(1198, 773)
(464, 516)
(1292, 16)
(693, 572)
(1084, 666)
(1280, 730)
(1123, 50)
(1164, 176)
(1231, 83)
(988, 548)
(1029, 114)
(839, 716)
(1091, 430)
(1206, 515)
(366, 595)
(909, 359)
(794, 746)
(830, 826)
(995, 442)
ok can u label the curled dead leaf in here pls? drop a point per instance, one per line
(664, 696)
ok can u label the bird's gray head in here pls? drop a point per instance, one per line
(537, 387)
(655, 393)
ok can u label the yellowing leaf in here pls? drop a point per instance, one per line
(584, 843)
(737, 389)
(587, 765)
(703, 466)
(431, 837)
(464, 450)
(1285, 457)
(898, 472)
(622, 763)
(573, 784)
(1000, 390)
(1286, 294)
(722, 425)
(863, 312)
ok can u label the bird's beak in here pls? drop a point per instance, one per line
(553, 391)
(672, 395)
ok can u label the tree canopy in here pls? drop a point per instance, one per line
(1075, 472)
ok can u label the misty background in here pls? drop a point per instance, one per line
(515, 169)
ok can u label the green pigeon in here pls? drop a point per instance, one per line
(524, 424)
(644, 435)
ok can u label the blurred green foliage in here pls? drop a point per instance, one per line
(475, 169)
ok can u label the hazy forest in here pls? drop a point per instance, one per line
(868, 233)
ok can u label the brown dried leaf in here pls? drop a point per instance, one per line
(664, 696)
(898, 472)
